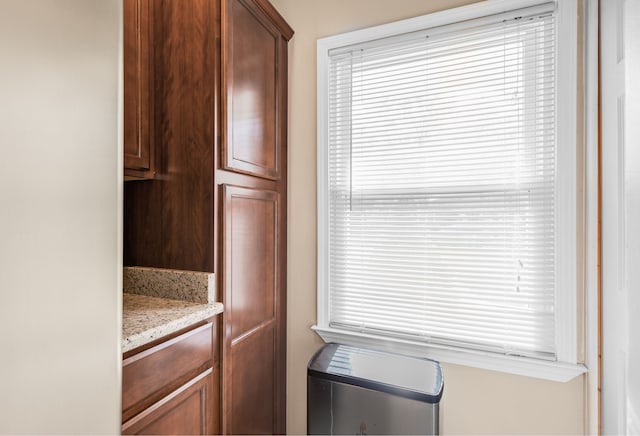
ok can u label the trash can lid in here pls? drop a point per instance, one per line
(411, 377)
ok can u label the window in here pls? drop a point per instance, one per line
(447, 187)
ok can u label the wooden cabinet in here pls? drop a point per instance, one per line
(181, 412)
(254, 351)
(219, 199)
(172, 386)
(252, 186)
(138, 85)
(251, 56)
(169, 221)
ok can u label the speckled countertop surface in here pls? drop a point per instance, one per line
(148, 318)
(194, 286)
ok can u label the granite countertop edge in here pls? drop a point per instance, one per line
(146, 319)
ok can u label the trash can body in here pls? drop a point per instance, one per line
(356, 391)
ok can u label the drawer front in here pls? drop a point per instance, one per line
(186, 411)
(152, 374)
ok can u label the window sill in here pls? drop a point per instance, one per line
(554, 371)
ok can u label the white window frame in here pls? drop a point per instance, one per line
(566, 367)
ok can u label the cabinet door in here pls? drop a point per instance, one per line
(253, 309)
(251, 55)
(187, 410)
(137, 89)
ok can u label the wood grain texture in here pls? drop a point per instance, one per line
(251, 252)
(251, 55)
(185, 64)
(250, 337)
(169, 222)
(280, 341)
(253, 289)
(150, 375)
(253, 384)
(185, 411)
(138, 84)
(274, 17)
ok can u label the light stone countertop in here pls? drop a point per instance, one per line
(148, 318)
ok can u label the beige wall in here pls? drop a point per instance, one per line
(475, 401)
(59, 217)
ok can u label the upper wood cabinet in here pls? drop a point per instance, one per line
(169, 221)
(138, 83)
(251, 55)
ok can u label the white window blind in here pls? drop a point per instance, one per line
(442, 185)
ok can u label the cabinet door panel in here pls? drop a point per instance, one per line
(251, 55)
(251, 228)
(183, 412)
(253, 304)
(252, 381)
(137, 89)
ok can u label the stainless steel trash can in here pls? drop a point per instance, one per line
(356, 391)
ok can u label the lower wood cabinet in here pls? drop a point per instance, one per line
(172, 385)
(184, 411)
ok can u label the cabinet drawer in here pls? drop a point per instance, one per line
(152, 374)
(186, 410)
